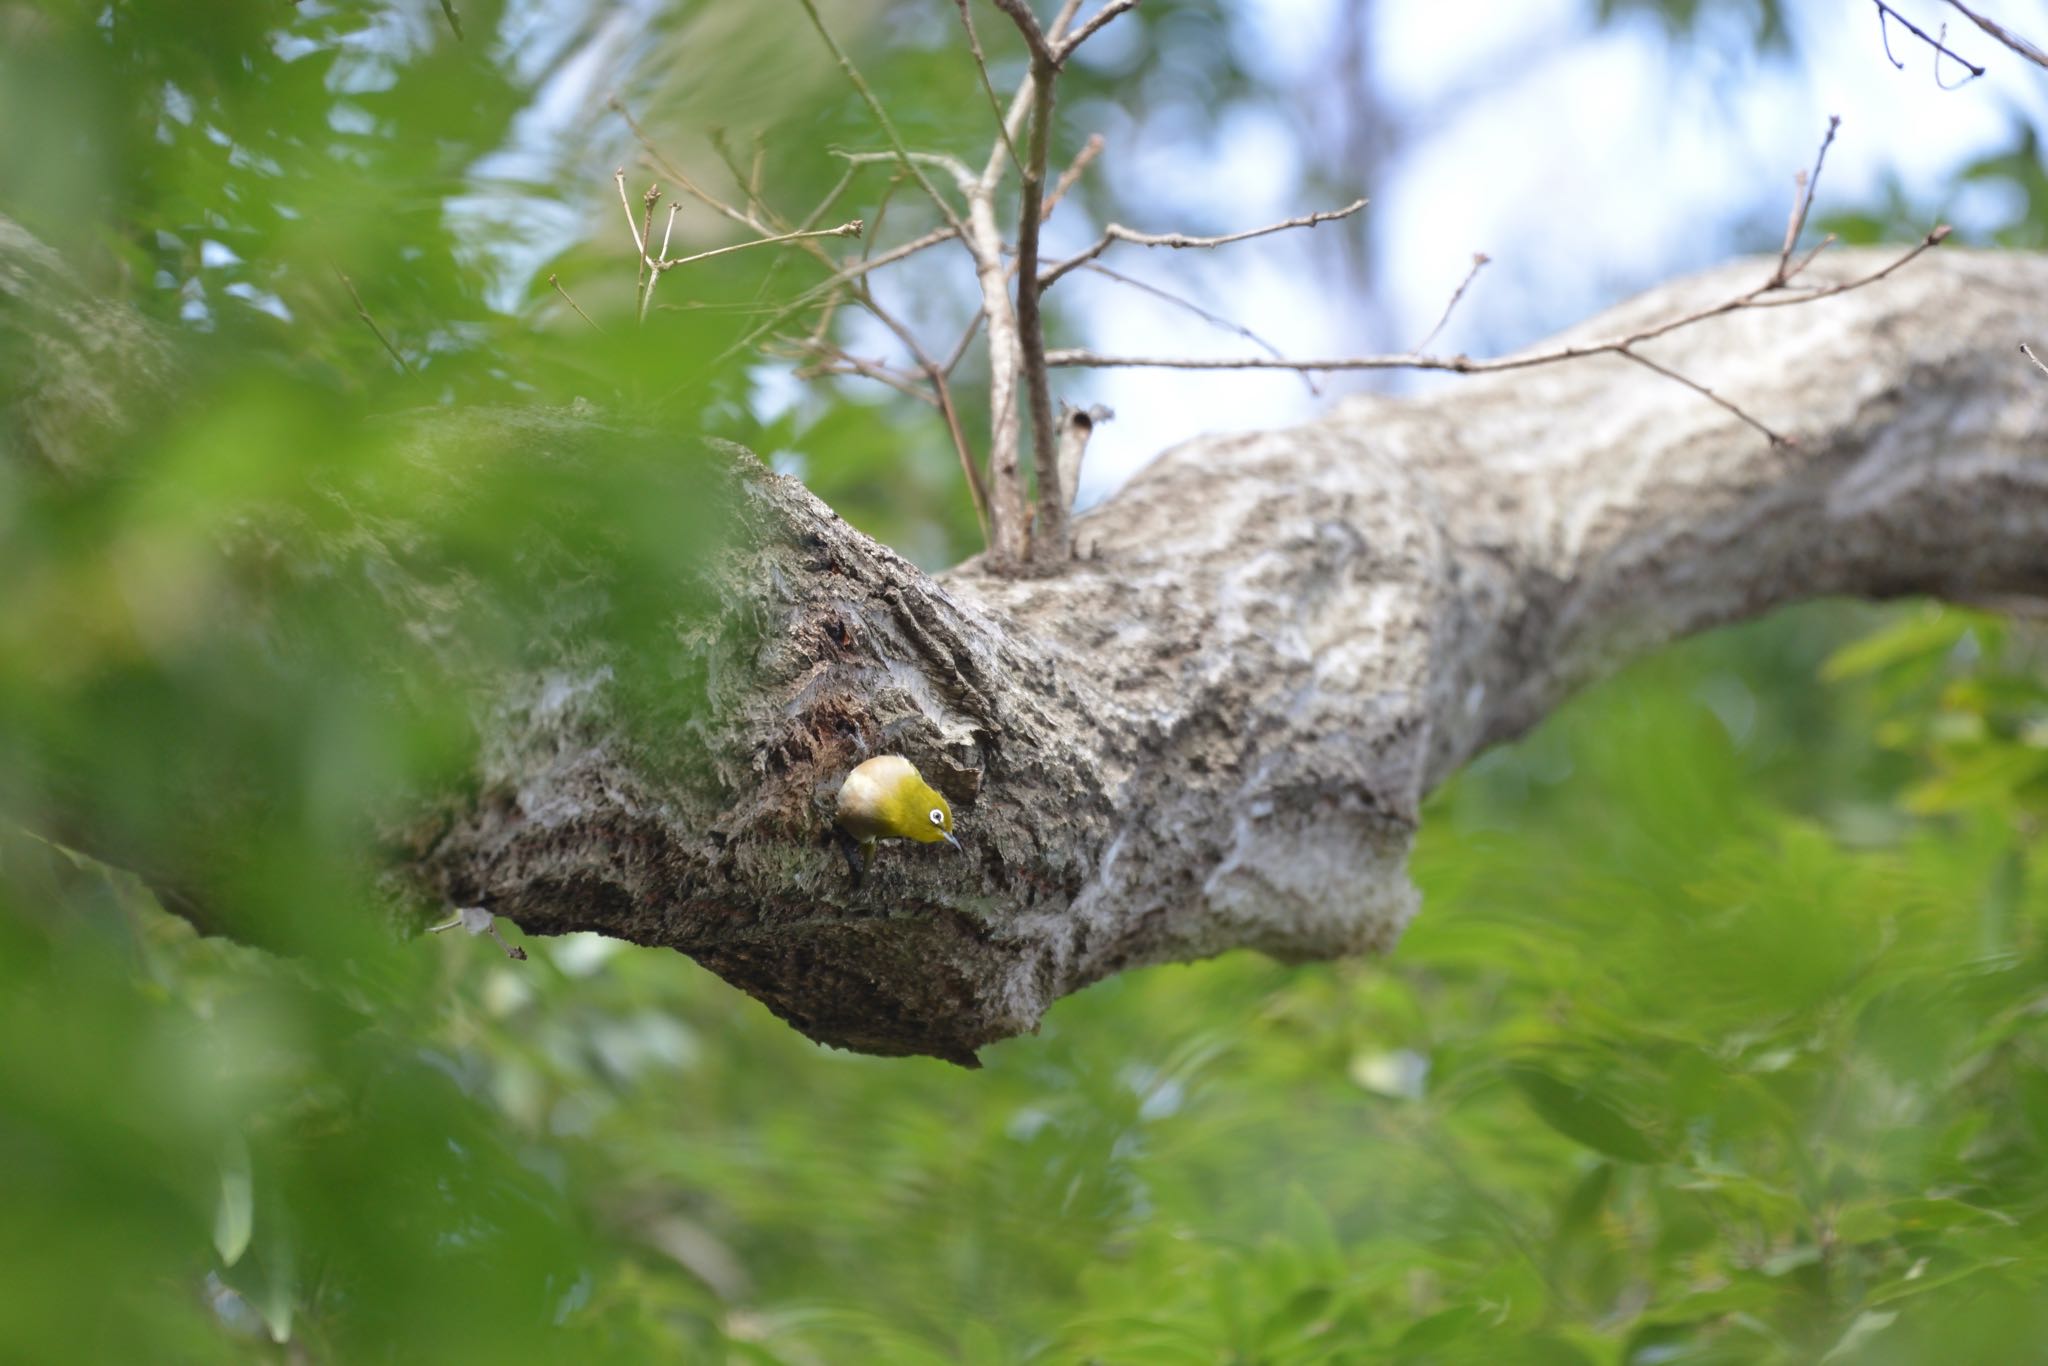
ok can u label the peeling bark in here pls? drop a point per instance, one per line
(1214, 728)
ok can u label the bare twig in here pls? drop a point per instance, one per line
(1042, 54)
(841, 362)
(851, 228)
(1116, 232)
(1479, 261)
(371, 323)
(1826, 241)
(942, 393)
(455, 20)
(888, 125)
(2028, 352)
(2002, 34)
(632, 224)
(988, 87)
(1216, 320)
(680, 177)
(1081, 35)
(1090, 150)
(1804, 188)
(648, 199)
(1885, 14)
(1049, 536)
(1703, 391)
(977, 488)
(1766, 295)
(720, 145)
(967, 336)
(840, 278)
(572, 303)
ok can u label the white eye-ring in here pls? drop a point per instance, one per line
(938, 818)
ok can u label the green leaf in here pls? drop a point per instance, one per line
(1583, 1115)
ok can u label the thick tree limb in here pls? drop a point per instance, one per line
(1214, 729)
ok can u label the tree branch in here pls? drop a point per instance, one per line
(1116, 232)
(1214, 728)
(2002, 34)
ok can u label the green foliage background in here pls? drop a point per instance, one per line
(1720, 1040)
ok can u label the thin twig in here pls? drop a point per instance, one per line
(842, 362)
(840, 278)
(572, 303)
(1479, 260)
(648, 199)
(977, 489)
(1116, 232)
(881, 115)
(1765, 295)
(988, 87)
(1805, 186)
(1827, 240)
(454, 19)
(851, 228)
(1090, 150)
(2003, 35)
(967, 336)
(371, 323)
(1042, 54)
(1050, 535)
(679, 176)
(632, 226)
(1885, 13)
(1704, 392)
(2028, 352)
(942, 392)
(1083, 33)
(1180, 301)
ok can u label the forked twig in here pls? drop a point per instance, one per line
(1886, 14)
(1759, 297)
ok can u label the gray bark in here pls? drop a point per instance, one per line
(1214, 729)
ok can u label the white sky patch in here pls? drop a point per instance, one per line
(1587, 164)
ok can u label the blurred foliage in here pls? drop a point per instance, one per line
(1718, 1041)
(1763, 20)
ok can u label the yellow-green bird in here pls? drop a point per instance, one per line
(886, 798)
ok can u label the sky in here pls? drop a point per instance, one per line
(1587, 164)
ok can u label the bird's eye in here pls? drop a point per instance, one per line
(938, 818)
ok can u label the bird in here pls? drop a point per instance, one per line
(886, 798)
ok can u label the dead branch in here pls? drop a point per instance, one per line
(1465, 365)
(1116, 232)
(1217, 320)
(2002, 34)
(882, 118)
(1886, 14)
(1479, 262)
(1082, 34)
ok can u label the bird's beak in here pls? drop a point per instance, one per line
(950, 840)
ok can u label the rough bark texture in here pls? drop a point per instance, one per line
(1213, 730)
